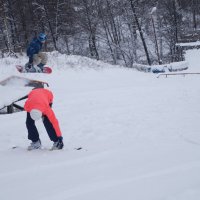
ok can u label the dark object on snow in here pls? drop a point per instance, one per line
(79, 148)
(158, 70)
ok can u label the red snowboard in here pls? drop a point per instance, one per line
(46, 70)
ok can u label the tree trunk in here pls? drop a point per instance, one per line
(140, 31)
(50, 26)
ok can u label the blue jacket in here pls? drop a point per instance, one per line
(34, 48)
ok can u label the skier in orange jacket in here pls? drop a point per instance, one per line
(38, 105)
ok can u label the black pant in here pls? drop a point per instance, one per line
(33, 134)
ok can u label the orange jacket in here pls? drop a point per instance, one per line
(40, 99)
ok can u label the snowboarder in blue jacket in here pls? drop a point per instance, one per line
(37, 59)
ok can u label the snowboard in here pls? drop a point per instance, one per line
(46, 70)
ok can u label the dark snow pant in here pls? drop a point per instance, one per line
(33, 134)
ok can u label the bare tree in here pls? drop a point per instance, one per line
(171, 25)
(9, 27)
(87, 16)
(140, 31)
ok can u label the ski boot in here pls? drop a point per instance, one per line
(40, 67)
(34, 145)
(58, 145)
(28, 67)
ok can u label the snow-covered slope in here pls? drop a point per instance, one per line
(140, 136)
(193, 56)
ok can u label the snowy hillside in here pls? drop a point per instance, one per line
(140, 135)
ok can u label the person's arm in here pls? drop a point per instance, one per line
(50, 98)
(32, 49)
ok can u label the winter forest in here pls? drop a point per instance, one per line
(118, 31)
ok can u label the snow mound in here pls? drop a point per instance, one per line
(63, 61)
(57, 61)
(171, 67)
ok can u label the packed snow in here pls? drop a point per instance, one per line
(139, 135)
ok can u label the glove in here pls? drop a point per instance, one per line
(59, 143)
